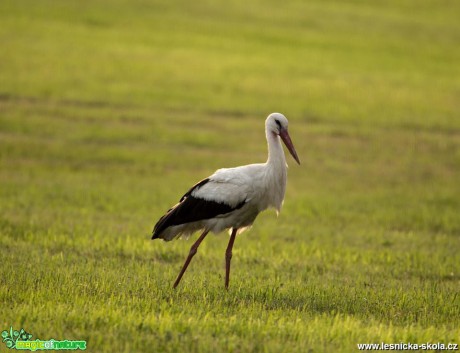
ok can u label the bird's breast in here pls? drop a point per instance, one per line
(274, 188)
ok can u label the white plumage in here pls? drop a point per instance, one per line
(231, 198)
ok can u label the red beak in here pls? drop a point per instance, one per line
(290, 146)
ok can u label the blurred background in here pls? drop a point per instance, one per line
(388, 63)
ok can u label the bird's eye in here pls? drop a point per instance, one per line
(278, 123)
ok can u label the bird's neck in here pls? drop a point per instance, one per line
(276, 173)
(275, 150)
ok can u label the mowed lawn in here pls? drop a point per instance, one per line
(111, 110)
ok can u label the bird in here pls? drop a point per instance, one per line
(231, 198)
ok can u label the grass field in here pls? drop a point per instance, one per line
(110, 110)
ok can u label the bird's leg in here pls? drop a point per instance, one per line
(228, 256)
(192, 253)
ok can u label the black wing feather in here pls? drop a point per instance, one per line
(192, 209)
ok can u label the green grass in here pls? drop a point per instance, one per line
(109, 111)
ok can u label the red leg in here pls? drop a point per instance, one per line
(192, 253)
(228, 256)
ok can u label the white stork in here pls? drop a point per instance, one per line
(231, 198)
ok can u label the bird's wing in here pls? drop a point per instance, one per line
(230, 186)
(221, 193)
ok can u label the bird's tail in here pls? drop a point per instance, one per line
(163, 223)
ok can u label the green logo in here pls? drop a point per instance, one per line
(23, 340)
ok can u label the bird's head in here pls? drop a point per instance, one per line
(277, 124)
